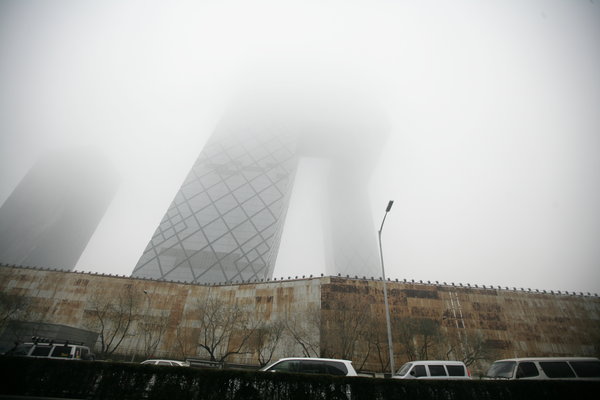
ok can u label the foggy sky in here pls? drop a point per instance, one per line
(493, 158)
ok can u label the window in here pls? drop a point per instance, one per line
(527, 370)
(502, 369)
(285, 366)
(418, 371)
(61, 351)
(163, 363)
(41, 351)
(336, 368)
(81, 352)
(437, 370)
(586, 369)
(312, 367)
(404, 369)
(557, 369)
(455, 370)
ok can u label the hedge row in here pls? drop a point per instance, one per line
(102, 380)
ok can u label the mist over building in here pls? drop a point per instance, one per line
(226, 221)
(51, 215)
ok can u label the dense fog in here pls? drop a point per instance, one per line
(490, 109)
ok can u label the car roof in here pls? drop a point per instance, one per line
(312, 359)
(436, 361)
(53, 344)
(550, 359)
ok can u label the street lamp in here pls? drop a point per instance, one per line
(385, 297)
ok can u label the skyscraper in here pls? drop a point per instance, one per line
(51, 215)
(225, 222)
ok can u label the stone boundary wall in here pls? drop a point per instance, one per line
(456, 322)
(331, 313)
(63, 297)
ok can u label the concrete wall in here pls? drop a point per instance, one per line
(332, 312)
(70, 298)
(493, 323)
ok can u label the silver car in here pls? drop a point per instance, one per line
(169, 363)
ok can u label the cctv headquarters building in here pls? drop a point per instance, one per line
(226, 221)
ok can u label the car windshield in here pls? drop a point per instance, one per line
(285, 366)
(404, 369)
(501, 369)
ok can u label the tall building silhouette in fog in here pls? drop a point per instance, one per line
(226, 220)
(51, 215)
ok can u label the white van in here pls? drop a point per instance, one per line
(433, 369)
(52, 350)
(570, 368)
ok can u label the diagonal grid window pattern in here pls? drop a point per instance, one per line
(223, 224)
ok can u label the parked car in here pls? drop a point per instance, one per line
(170, 363)
(570, 368)
(433, 369)
(306, 365)
(313, 365)
(51, 349)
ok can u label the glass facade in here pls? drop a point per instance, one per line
(52, 214)
(225, 222)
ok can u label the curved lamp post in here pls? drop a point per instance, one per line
(385, 296)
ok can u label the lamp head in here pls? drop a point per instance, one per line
(389, 206)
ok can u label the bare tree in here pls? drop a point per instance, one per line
(152, 331)
(428, 338)
(185, 340)
(346, 327)
(224, 327)
(15, 308)
(12, 307)
(468, 348)
(376, 340)
(404, 332)
(266, 339)
(113, 317)
(304, 328)
(419, 337)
